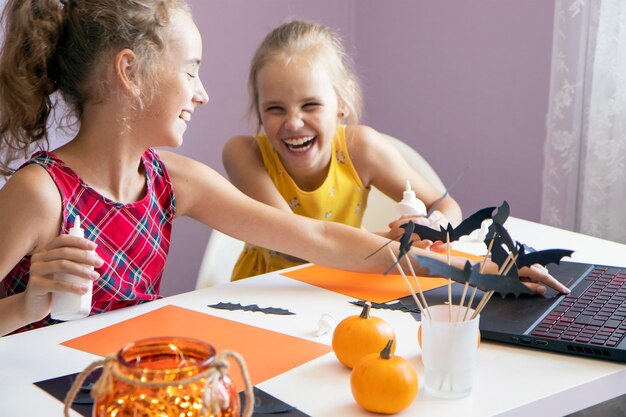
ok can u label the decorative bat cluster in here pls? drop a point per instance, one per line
(510, 256)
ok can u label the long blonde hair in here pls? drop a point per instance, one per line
(57, 48)
(319, 45)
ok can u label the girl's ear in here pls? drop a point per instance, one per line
(125, 71)
(343, 112)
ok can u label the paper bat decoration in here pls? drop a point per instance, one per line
(500, 239)
(405, 243)
(405, 239)
(252, 307)
(438, 268)
(395, 306)
(499, 217)
(466, 227)
(502, 284)
(524, 257)
(541, 257)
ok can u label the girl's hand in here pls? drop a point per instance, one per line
(63, 254)
(395, 231)
(436, 220)
(536, 277)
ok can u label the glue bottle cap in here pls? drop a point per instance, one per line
(409, 194)
(76, 230)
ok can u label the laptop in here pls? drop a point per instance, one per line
(590, 321)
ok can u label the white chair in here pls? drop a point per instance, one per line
(222, 250)
(219, 258)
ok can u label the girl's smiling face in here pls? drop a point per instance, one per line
(179, 89)
(299, 111)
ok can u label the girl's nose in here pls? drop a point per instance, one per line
(294, 121)
(200, 96)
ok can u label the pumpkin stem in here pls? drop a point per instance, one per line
(365, 313)
(386, 352)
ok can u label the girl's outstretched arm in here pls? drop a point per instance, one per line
(206, 196)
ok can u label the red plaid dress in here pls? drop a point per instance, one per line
(133, 239)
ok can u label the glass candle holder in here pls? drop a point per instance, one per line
(165, 376)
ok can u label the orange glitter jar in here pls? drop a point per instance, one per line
(166, 376)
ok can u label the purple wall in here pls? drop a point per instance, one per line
(466, 83)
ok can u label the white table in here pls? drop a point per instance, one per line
(510, 381)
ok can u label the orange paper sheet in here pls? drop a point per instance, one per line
(377, 288)
(266, 353)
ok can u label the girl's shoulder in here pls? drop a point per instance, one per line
(364, 141)
(240, 143)
(35, 202)
(241, 149)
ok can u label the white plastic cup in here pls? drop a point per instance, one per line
(449, 349)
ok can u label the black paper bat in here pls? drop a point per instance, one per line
(502, 284)
(442, 269)
(500, 239)
(499, 217)
(252, 307)
(466, 227)
(394, 306)
(541, 257)
(487, 282)
(405, 243)
(405, 239)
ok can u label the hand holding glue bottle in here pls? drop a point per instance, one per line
(68, 306)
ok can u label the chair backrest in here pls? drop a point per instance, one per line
(218, 261)
(381, 209)
(222, 250)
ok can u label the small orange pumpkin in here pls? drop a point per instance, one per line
(357, 336)
(384, 383)
(419, 336)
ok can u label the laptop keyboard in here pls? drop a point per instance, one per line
(594, 313)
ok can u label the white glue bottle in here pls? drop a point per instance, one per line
(69, 306)
(410, 204)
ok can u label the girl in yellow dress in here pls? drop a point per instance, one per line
(310, 156)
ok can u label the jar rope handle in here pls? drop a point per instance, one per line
(80, 379)
(220, 368)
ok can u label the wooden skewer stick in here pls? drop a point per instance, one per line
(505, 263)
(458, 313)
(469, 304)
(508, 268)
(482, 265)
(481, 270)
(419, 287)
(417, 302)
(482, 304)
(449, 280)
